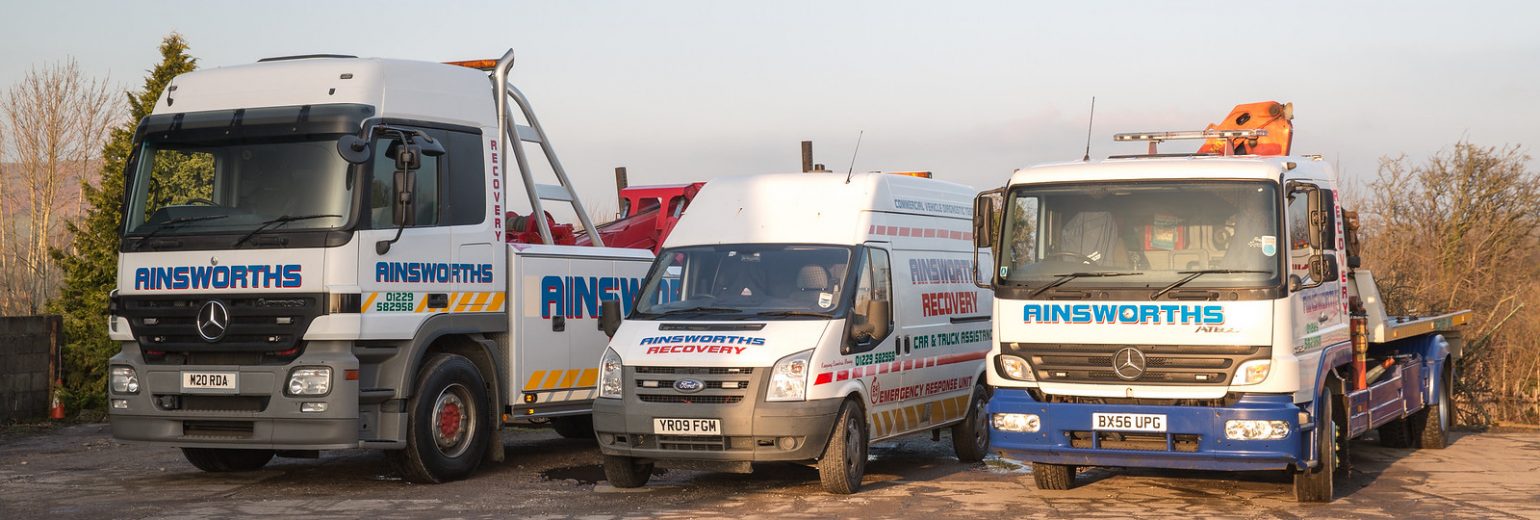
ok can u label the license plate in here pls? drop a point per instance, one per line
(687, 426)
(1129, 422)
(211, 382)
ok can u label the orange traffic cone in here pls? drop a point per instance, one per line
(56, 408)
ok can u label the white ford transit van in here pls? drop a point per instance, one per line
(800, 317)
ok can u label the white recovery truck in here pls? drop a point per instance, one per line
(1188, 311)
(316, 255)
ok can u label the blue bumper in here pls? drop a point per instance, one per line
(1194, 438)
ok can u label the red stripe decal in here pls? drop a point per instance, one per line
(823, 378)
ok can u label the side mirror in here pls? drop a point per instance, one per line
(1323, 268)
(609, 317)
(353, 149)
(405, 185)
(983, 220)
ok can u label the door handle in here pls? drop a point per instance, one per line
(438, 300)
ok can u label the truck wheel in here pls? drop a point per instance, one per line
(220, 460)
(1396, 434)
(1430, 425)
(626, 472)
(1056, 477)
(574, 426)
(1315, 484)
(844, 459)
(970, 438)
(446, 433)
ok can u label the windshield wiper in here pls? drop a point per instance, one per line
(1071, 276)
(699, 309)
(276, 223)
(173, 224)
(814, 314)
(1192, 275)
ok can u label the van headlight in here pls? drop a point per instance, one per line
(1253, 372)
(310, 381)
(610, 386)
(1014, 367)
(125, 380)
(788, 379)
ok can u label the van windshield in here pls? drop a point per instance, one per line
(747, 281)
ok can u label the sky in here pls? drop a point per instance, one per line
(688, 90)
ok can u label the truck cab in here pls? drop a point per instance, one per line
(1193, 311)
(800, 317)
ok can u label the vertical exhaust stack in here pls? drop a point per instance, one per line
(620, 186)
(807, 156)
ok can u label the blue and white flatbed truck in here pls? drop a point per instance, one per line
(1188, 312)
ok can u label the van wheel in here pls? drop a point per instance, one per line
(220, 460)
(1315, 484)
(844, 459)
(574, 426)
(1430, 425)
(1055, 477)
(970, 438)
(626, 472)
(446, 433)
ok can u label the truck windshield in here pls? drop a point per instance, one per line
(1221, 234)
(232, 172)
(747, 281)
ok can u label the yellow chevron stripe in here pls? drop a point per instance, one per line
(950, 409)
(534, 380)
(368, 301)
(481, 302)
(568, 378)
(551, 379)
(589, 377)
(497, 302)
(422, 304)
(914, 420)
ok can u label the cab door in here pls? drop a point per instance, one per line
(871, 339)
(414, 277)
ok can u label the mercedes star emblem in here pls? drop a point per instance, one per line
(212, 320)
(1128, 364)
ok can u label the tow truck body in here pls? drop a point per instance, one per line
(1188, 312)
(317, 254)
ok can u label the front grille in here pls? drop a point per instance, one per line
(694, 370)
(1179, 442)
(1164, 364)
(690, 399)
(226, 429)
(692, 442)
(167, 323)
(223, 403)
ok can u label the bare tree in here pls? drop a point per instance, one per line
(55, 120)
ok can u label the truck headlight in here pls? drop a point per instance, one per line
(1253, 372)
(1245, 430)
(310, 381)
(610, 386)
(1018, 422)
(125, 380)
(1014, 367)
(788, 379)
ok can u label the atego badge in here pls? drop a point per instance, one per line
(212, 320)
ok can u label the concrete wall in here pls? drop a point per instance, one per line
(27, 352)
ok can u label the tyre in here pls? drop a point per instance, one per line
(220, 460)
(844, 459)
(1315, 484)
(1396, 434)
(1056, 477)
(626, 472)
(574, 426)
(970, 438)
(1430, 425)
(447, 426)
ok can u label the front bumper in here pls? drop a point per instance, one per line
(752, 430)
(257, 415)
(1194, 438)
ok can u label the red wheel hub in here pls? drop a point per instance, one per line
(449, 420)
